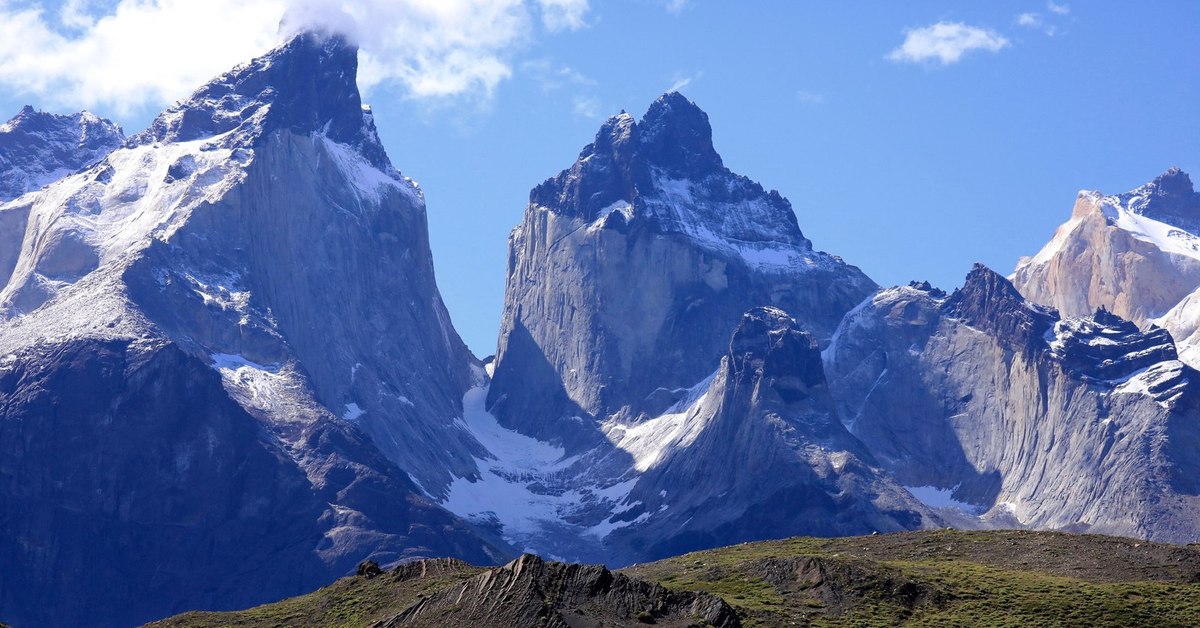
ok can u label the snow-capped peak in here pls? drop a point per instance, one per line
(37, 148)
(664, 175)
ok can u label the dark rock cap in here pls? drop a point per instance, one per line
(990, 302)
(307, 85)
(768, 343)
(1169, 198)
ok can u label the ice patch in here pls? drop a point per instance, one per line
(511, 487)
(353, 412)
(939, 498)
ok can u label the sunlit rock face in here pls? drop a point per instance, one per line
(1135, 254)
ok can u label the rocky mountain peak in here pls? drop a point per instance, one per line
(1169, 198)
(990, 302)
(307, 85)
(37, 147)
(768, 344)
(676, 137)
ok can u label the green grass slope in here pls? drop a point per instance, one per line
(942, 578)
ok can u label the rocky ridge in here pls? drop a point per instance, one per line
(37, 148)
(1028, 420)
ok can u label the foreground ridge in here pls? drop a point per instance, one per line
(947, 576)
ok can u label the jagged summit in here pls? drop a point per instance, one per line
(677, 137)
(664, 174)
(768, 344)
(242, 298)
(989, 301)
(1170, 198)
(37, 147)
(307, 85)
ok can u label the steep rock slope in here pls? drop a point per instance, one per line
(37, 148)
(1082, 424)
(760, 453)
(1183, 321)
(755, 450)
(1135, 254)
(197, 338)
(631, 267)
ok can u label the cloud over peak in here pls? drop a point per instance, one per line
(946, 43)
(128, 55)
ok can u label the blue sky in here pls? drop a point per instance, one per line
(909, 165)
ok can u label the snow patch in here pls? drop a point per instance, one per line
(650, 441)
(520, 485)
(368, 181)
(353, 412)
(940, 498)
(260, 386)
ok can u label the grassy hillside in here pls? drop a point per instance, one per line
(943, 578)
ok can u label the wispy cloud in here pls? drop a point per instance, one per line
(586, 107)
(676, 6)
(559, 15)
(130, 54)
(681, 81)
(679, 84)
(946, 43)
(1046, 24)
(550, 76)
(1060, 9)
(810, 98)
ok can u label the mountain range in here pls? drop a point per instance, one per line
(227, 375)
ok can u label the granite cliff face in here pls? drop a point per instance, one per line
(1135, 254)
(622, 421)
(631, 268)
(226, 331)
(37, 148)
(1027, 419)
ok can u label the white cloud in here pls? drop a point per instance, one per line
(1060, 9)
(551, 77)
(132, 54)
(1029, 20)
(560, 15)
(676, 6)
(1035, 21)
(946, 42)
